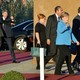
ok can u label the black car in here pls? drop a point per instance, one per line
(23, 36)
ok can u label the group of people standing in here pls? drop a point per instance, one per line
(56, 37)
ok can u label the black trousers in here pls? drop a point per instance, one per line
(50, 56)
(77, 58)
(63, 55)
(9, 42)
(38, 58)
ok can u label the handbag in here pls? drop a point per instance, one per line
(73, 48)
(35, 51)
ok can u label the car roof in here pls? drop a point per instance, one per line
(27, 25)
(23, 23)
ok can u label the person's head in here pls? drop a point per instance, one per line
(12, 17)
(65, 17)
(58, 10)
(5, 13)
(41, 18)
(79, 10)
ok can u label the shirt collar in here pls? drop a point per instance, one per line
(56, 16)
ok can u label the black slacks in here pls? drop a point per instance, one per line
(49, 55)
(77, 58)
(38, 58)
(63, 55)
(9, 42)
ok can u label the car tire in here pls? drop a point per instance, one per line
(20, 44)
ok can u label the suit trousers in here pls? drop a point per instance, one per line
(77, 58)
(50, 55)
(63, 55)
(9, 42)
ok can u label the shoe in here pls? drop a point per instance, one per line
(15, 62)
(58, 74)
(72, 74)
(63, 72)
(78, 69)
(38, 67)
(76, 66)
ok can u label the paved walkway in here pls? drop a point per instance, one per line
(28, 67)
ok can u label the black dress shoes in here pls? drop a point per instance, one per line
(15, 62)
(76, 66)
(63, 72)
(58, 74)
(38, 67)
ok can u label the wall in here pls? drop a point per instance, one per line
(47, 7)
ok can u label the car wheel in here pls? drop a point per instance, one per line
(20, 44)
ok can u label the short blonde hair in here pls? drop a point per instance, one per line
(41, 16)
(64, 14)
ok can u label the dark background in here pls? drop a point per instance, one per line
(22, 10)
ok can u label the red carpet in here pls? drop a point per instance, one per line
(50, 77)
(5, 57)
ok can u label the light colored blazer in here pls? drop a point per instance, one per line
(64, 34)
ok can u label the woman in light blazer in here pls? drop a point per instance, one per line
(63, 40)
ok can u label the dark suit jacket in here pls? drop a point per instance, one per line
(1, 32)
(6, 27)
(76, 27)
(51, 27)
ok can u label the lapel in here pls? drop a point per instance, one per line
(54, 18)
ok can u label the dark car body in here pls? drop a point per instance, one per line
(22, 36)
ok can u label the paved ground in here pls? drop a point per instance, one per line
(28, 67)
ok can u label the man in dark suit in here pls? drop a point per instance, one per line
(1, 35)
(6, 32)
(76, 32)
(51, 27)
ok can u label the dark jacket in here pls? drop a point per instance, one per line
(1, 32)
(51, 33)
(6, 27)
(40, 28)
(76, 27)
